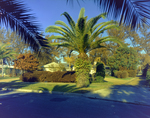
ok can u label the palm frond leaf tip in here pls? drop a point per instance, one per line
(15, 15)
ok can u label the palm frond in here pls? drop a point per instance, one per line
(65, 25)
(81, 14)
(70, 20)
(128, 11)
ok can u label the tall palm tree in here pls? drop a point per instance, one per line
(15, 15)
(5, 52)
(130, 12)
(80, 36)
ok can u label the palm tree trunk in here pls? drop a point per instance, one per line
(83, 75)
(83, 56)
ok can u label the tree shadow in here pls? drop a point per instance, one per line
(15, 84)
(143, 81)
(69, 88)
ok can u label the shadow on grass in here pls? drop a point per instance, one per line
(15, 84)
(69, 88)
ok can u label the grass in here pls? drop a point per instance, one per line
(6, 77)
(61, 87)
(129, 78)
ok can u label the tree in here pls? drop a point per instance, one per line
(16, 43)
(15, 15)
(26, 62)
(5, 52)
(70, 60)
(80, 36)
(125, 58)
(130, 12)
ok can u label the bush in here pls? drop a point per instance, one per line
(118, 74)
(132, 73)
(100, 70)
(148, 76)
(124, 74)
(42, 76)
(98, 79)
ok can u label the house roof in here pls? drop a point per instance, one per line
(52, 64)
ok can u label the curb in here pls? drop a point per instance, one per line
(72, 94)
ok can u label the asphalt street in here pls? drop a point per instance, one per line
(15, 104)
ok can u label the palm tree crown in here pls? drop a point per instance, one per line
(80, 36)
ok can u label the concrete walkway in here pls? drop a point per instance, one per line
(139, 94)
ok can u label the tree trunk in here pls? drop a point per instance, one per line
(83, 56)
(83, 77)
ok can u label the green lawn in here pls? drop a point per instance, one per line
(129, 78)
(51, 86)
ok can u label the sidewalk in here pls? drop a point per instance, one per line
(121, 93)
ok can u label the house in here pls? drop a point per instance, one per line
(52, 67)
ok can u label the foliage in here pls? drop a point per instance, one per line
(62, 67)
(70, 60)
(26, 62)
(83, 68)
(129, 12)
(118, 74)
(98, 79)
(148, 76)
(100, 70)
(80, 36)
(132, 73)
(124, 74)
(124, 59)
(45, 76)
(15, 14)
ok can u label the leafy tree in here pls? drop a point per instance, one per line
(26, 62)
(16, 43)
(130, 12)
(70, 60)
(5, 52)
(125, 58)
(80, 36)
(14, 14)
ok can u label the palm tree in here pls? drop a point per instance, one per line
(5, 52)
(130, 12)
(15, 15)
(80, 36)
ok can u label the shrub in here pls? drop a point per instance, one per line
(148, 76)
(42, 76)
(132, 73)
(113, 73)
(100, 70)
(124, 74)
(118, 74)
(26, 77)
(98, 79)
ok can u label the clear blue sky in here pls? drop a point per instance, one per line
(49, 11)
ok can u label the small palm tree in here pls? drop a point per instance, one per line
(80, 36)
(5, 52)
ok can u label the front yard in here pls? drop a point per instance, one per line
(8, 82)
